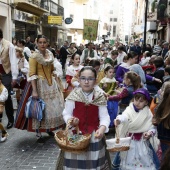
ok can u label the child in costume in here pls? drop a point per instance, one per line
(136, 121)
(132, 82)
(108, 84)
(23, 68)
(3, 98)
(162, 117)
(73, 69)
(86, 106)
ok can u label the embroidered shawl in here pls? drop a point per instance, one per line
(77, 95)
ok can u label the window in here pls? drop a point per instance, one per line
(115, 19)
(114, 31)
(111, 11)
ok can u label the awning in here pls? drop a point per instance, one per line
(24, 5)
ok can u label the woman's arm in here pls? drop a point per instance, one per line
(34, 88)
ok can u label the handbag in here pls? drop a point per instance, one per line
(118, 144)
(34, 108)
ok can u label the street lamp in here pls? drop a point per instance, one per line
(145, 25)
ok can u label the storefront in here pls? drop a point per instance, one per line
(26, 24)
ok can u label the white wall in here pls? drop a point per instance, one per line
(5, 20)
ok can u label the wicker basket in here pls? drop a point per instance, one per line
(1, 108)
(65, 145)
(118, 144)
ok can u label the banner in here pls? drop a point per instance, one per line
(90, 29)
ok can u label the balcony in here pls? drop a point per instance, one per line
(56, 9)
(30, 6)
(161, 9)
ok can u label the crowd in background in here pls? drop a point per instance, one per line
(119, 71)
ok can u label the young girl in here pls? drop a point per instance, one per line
(73, 69)
(136, 121)
(124, 67)
(132, 82)
(162, 119)
(87, 107)
(108, 84)
(23, 68)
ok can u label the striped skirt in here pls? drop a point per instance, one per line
(95, 158)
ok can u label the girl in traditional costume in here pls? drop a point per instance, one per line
(43, 85)
(72, 70)
(136, 121)
(86, 106)
(23, 68)
(132, 82)
(108, 84)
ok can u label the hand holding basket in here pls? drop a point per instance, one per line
(67, 145)
(118, 144)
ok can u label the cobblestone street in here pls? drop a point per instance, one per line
(22, 152)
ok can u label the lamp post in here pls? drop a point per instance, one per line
(145, 25)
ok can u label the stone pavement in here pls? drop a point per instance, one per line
(22, 152)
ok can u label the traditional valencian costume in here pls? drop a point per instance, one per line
(92, 113)
(70, 73)
(141, 154)
(48, 89)
(112, 106)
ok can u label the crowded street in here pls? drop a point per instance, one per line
(84, 84)
(22, 152)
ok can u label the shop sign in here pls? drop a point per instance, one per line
(68, 20)
(26, 17)
(55, 20)
(90, 29)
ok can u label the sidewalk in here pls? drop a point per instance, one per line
(22, 152)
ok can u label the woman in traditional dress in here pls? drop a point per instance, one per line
(70, 50)
(43, 86)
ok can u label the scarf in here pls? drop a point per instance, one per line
(41, 60)
(77, 95)
(138, 122)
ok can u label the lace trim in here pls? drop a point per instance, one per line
(41, 60)
(32, 78)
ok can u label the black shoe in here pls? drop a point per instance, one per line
(9, 125)
(51, 133)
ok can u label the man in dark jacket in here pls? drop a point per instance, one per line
(137, 49)
(29, 44)
(63, 54)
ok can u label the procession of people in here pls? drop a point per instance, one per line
(107, 88)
